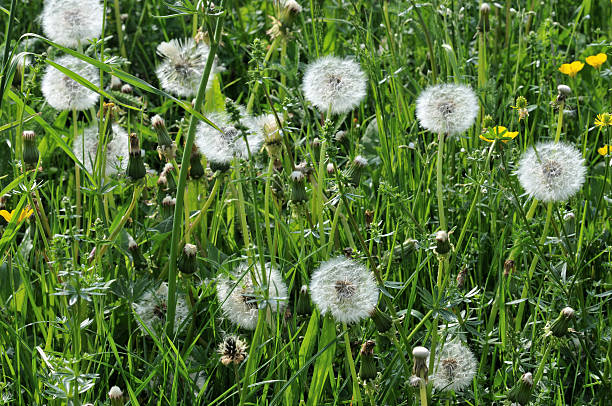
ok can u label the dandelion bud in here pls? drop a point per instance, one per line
(342, 138)
(303, 303)
(367, 369)
(485, 8)
(135, 168)
(232, 350)
(509, 266)
(30, 150)
(273, 140)
(196, 170)
(116, 396)
(167, 172)
(137, 257)
(381, 320)
(560, 326)
(355, 169)
(420, 368)
(166, 146)
(187, 263)
(115, 83)
(291, 8)
(521, 391)
(168, 204)
(298, 191)
(443, 245)
(461, 277)
(127, 89)
(331, 168)
(563, 92)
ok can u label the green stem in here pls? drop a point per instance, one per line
(77, 181)
(180, 193)
(349, 357)
(119, 30)
(439, 191)
(423, 392)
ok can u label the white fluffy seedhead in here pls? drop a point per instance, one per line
(70, 22)
(152, 307)
(334, 84)
(85, 147)
(345, 288)
(455, 366)
(223, 147)
(551, 172)
(183, 66)
(240, 298)
(447, 108)
(64, 93)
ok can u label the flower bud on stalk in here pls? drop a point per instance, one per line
(443, 245)
(355, 170)
(303, 303)
(560, 326)
(420, 368)
(166, 147)
(521, 391)
(298, 190)
(381, 320)
(367, 369)
(30, 150)
(187, 263)
(116, 396)
(196, 170)
(135, 168)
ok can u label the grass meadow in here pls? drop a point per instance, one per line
(311, 202)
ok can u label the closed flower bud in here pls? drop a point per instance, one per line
(168, 204)
(116, 396)
(367, 369)
(30, 150)
(232, 350)
(127, 89)
(298, 190)
(115, 83)
(560, 326)
(521, 391)
(355, 170)
(443, 245)
(137, 257)
(196, 170)
(509, 266)
(303, 303)
(562, 92)
(331, 168)
(420, 368)
(135, 169)
(381, 320)
(187, 263)
(461, 277)
(166, 146)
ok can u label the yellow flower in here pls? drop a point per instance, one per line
(603, 151)
(22, 216)
(596, 60)
(499, 132)
(571, 69)
(603, 120)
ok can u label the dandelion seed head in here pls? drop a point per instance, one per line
(85, 147)
(222, 147)
(454, 368)
(240, 298)
(64, 93)
(447, 108)
(335, 84)
(551, 172)
(70, 22)
(183, 65)
(344, 288)
(232, 350)
(152, 307)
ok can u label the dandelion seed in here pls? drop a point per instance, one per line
(64, 93)
(454, 368)
(72, 22)
(571, 69)
(152, 307)
(232, 350)
(447, 108)
(344, 288)
(117, 149)
(551, 172)
(597, 60)
(240, 299)
(183, 66)
(334, 84)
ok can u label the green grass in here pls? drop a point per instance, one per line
(66, 310)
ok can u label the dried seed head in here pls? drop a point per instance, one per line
(232, 350)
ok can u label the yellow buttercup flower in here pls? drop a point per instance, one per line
(571, 69)
(498, 132)
(22, 216)
(605, 150)
(596, 60)
(603, 120)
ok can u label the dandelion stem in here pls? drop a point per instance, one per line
(119, 30)
(349, 358)
(423, 392)
(180, 193)
(77, 181)
(439, 190)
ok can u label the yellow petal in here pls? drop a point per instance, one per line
(499, 130)
(482, 137)
(596, 60)
(603, 151)
(565, 69)
(577, 66)
(7, 216)
(25, 214)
